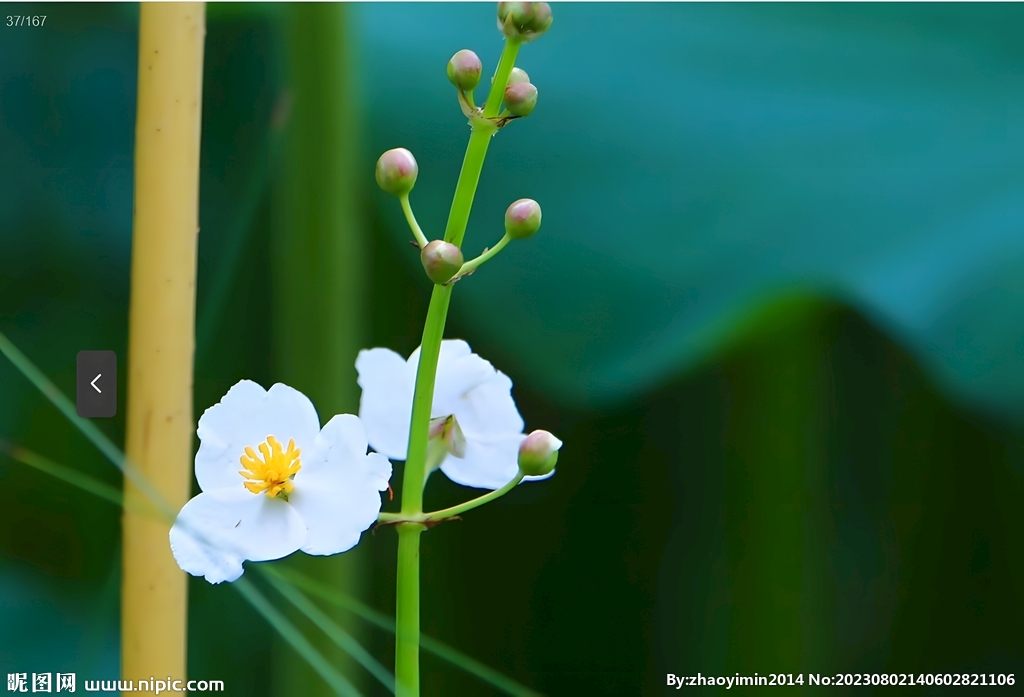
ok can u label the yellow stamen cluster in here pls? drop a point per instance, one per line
(273, 473)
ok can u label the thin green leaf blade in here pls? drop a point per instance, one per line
(288, 631)
(345, 641)
(65, 474)
(440, 649)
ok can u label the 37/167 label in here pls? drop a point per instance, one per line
(26, 20)
(843, 679)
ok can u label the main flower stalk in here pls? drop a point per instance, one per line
(407, 662)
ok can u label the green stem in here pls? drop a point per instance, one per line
(421, 239)
(473, 163)
(479, 501)
(472, 265)
(430, 349)
(465, 190)
(467, 103)
(407, 667)
(454, 510)
(407, 615)
(500, 82)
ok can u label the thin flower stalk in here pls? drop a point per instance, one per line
(446, 513)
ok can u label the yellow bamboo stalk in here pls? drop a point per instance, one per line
(154, 600)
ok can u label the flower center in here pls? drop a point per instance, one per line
(274, 471)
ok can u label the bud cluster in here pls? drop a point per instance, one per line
(397, 170)
(524, 21)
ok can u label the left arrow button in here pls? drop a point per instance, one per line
(96, 383)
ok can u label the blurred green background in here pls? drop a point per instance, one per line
(776, 313)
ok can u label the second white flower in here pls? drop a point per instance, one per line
(468, 388)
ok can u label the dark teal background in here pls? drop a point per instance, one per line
(775, 312)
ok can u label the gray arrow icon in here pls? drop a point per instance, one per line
(92, 400)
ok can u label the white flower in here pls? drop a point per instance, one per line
(273, 482)
(468, 388)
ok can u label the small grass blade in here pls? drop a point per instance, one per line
(438, 648)
(65, 474)
(338, 635)
(87, 428)
(338, 682)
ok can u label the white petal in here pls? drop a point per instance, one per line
(488, 464)
(339, 496)
(385, 405)
(245, 416)
(345, 433)
(452, 349)
(217, 530)
(458, 372)
(343, 439)
(488, 411)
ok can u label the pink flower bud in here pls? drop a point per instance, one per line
(520, 98)
(464, 69)
(524, 21)
(538, 454)
(518, 75)
(522, 219)
(441, 260)
(397, 171)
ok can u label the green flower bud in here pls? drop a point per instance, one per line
(518, 75)
(397, 171)
(520, 98)
(538, 454)
(524, 21)
(446, 429)
(464, 69)
(441, 260)
(522, 219)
